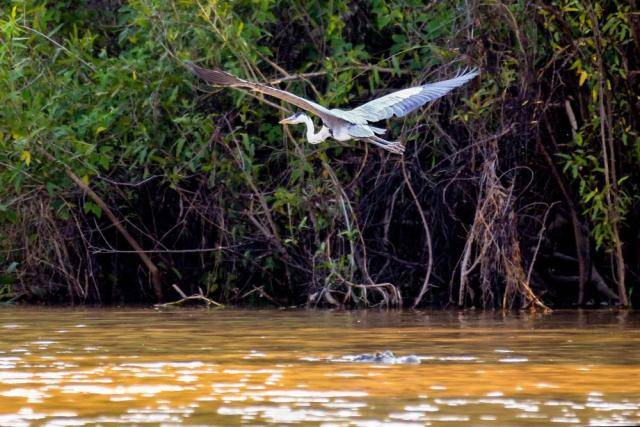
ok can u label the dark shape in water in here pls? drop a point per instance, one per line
(386, 357)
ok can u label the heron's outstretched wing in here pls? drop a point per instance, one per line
(222, 78)
(404, 101)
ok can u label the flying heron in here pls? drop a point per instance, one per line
(343, 125)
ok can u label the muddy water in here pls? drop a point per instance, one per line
(83, 367)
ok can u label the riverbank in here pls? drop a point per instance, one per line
(121, 174)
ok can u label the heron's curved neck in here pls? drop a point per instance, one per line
(312, 137)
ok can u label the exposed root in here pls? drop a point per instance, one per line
(492, 245)
(343, 293)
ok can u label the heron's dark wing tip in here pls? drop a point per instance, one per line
(213, 76)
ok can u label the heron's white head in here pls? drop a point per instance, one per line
(292, 120)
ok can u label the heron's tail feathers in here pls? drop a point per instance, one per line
(215, 76)
(395, 147)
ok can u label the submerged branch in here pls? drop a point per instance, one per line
(199, 297)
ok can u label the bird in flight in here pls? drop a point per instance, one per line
(344, 125)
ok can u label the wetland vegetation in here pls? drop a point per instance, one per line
(121, 174)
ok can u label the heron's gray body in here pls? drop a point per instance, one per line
(344, 125)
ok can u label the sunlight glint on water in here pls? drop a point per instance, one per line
(71, 367)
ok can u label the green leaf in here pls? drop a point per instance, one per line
(90, 207)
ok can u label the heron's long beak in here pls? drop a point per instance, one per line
(287, 120)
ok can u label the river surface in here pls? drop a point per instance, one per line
(67, 367)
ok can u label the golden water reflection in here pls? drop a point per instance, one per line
(81, 367)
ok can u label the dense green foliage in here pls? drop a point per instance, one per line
(537, 160)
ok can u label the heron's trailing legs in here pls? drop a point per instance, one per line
(395, 147)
